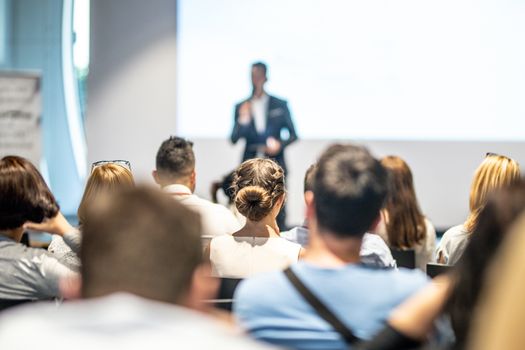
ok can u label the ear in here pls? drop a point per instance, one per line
(155, 175)
(203, 287)
(310, 206)
(193, 180)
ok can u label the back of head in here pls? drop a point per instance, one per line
(24, 195)
(501, 210)
(104, 179)
(175, 158)
(495, 172)
(258, 184)
(406, 223)
(349, 190)
(142, 242)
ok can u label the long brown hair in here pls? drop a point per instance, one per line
(405, 224)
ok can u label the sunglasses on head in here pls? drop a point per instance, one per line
(123, 163)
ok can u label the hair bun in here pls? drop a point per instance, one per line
(254, 202)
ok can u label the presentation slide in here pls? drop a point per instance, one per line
(364, 69)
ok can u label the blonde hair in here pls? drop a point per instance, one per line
(495, 172)
(103, 179)
(498, 322)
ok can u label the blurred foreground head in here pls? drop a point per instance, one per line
(142, 242)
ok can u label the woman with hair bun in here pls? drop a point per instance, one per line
(259, 194)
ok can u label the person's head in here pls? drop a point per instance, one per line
(259, 189)
(104, 179)
(501, 210)
(24, 195)
(406, 224)
(258, 76)
(175, 163)
(496, 171)
(349, 190)
(141, 241)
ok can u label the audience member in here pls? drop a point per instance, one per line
(299, 234)
(257, 247)
(106, 177)
(27, 203)
(500, 316)
(403, 226)
(494, 220)
(175, 173)
(374, 252)
(496, 171)
(460, 296)
(349, 189)
(142, 274)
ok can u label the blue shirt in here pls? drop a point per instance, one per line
(271, 309)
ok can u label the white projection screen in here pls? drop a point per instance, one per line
(368, 69)
(437, 82)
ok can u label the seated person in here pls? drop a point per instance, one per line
(495, 172)
(142, 277)
(349, 189)
(106, 177)
(374, 251)
(299, 234)
(27, 203)
(257, 247)
(403, 226)
(175, 173)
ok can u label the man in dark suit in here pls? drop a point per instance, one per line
(265, 123)
(261, 120)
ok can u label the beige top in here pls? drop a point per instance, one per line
(241, 257)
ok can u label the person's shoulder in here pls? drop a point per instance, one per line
(277, 100)
(454, 232)
(411, 278)
(254, 290)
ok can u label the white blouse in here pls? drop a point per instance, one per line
(241, 257)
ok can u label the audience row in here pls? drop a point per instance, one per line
(141, 259)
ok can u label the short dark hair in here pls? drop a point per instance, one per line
(175, 158)
(309, 178)
(349, 190)
(24, 195)
(262, 66)
(142, 242)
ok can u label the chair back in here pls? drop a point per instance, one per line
(434, 269)
(404, 258)
(227, 289)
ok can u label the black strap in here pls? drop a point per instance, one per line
(321, 309)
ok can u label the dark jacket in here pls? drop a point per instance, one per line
(277, 119)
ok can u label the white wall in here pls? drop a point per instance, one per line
(442, 170)
(131, 90)
(131, 109)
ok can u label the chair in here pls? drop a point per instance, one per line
(9, 303)
(434, 270)
(227, 288)
(404, 258)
